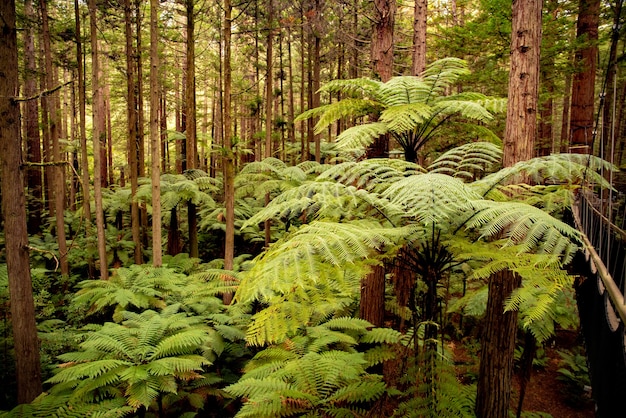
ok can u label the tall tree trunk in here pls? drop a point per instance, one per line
(228, 161)
(155, 147)
(291, 129)
(84, 160)
(567, 96)
(190, 132)
(382, 42)
(97, 134)
(545, 143)
(57, 170)
(498, 340)
(31, 119)
(609, 122)
(132, 144)
(583, 87)
(419, 36)
(304, 147)
(317, 71)
(269, 95)
(26, 343)
(141, 131)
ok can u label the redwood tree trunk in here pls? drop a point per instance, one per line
(498, 340)
(228, 163)
(583, 86)
(497, 349)
(190, 131)
(372, 306)
(97, 134)
(31, 118)
(132, 143)
(57, 170)
(26, 343)
(419, 36)
(382, 43)
(155, 146)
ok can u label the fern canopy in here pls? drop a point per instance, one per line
(410, 109)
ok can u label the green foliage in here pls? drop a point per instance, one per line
(468, 161)
(146, 356)
(134, 287)
(574, 372)
(445, 397)
(318, 372)
(410, 109)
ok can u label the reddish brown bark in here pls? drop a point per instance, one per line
(583, 86)
(26, 343)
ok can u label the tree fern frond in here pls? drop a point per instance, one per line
(406, 117)
(525, 226)
(363, 391)
(472, 158)
(360, 136)
(431, 197)
(441, 74)
(466, 109)
(346, 107)
(555, 168)
(359, 87)
(402, 90)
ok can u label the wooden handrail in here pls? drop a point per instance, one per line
(611, 287)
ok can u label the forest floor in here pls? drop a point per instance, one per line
(545, 392)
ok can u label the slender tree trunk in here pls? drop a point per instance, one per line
(31, 119)
(190, 132)
(317, 36)
(269, 95)
(545, 141)
(609, 122)
(26, 343)
(291, 129)
(565, 131)
(583, 87)
(304, 147)
(228, 161)
(82, 112)
(133, 155)
(419, 36)
(498, 339)
(155, 147)
(109, 175)
(57, 170)
(97, 134)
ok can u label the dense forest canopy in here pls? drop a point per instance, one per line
(269, 208)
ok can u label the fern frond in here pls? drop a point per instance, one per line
(406, 117)
(360, 136)
(357, 392)
(432, 198)
(346, 107)
(467, 160)
(359, 87)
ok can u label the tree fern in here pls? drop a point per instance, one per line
(318, 372)
(145, 356)
(409, 108)
(132, 287)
